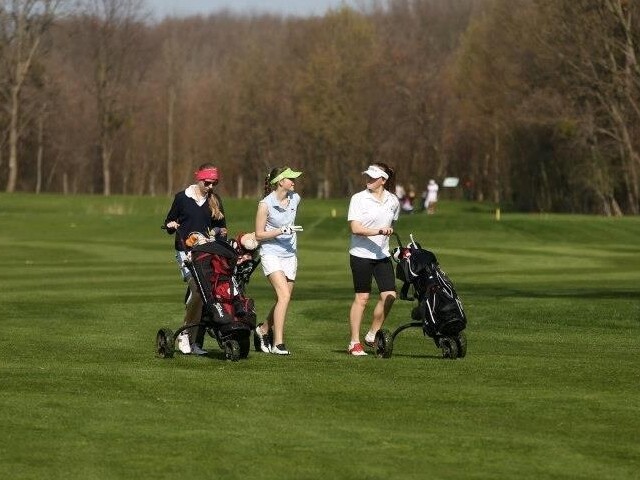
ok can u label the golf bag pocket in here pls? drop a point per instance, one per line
(446, 312)
(217, 314)
(244, 309)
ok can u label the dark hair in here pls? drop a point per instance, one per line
(270, 176)
(214, 203)
(390, 183)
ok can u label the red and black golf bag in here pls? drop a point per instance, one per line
(227, 313)
(215, 265)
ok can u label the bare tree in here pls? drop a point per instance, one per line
(333, 100)
(597, 43)
(114, 30)
(23, 23)
(174, 55)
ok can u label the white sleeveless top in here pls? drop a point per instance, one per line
(279, 216)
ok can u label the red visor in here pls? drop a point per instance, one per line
(207, 174)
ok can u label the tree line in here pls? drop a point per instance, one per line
(533, 104)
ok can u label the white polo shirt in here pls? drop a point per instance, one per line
(372, 213)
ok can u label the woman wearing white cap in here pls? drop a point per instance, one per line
(276, 232)
(372, 213)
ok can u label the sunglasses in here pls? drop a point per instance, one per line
(209, 184)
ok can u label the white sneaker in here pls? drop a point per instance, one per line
(183, 343)
(261, 340)
(370, 340)
(280, 349)
(196, 350)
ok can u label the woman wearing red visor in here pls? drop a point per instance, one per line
(195, 209)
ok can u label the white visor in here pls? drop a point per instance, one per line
(375, 172)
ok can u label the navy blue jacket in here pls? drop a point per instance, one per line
(192, 218)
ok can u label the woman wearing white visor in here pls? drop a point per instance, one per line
(372, 213)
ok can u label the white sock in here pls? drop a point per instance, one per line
(370, 337)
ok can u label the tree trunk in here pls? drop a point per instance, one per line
(240, 186)
(13, 139)
(170, 137)
(40, 150)
(105, 155)
(495, 183)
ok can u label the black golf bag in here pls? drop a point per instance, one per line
(439, 312)
(221, 270)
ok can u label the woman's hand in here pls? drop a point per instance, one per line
(173, 225)
(386, 231)
(289, 229)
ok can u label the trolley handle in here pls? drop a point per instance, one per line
(395, 234)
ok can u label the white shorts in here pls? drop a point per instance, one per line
(273, 263)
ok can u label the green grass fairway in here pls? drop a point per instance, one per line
(548, 390)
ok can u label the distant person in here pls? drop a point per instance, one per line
(277, 233)
(195, 209)
(406, 206)
(411, 194)
(432, 197)
(467, 188)
(406, 202)
(372, 213)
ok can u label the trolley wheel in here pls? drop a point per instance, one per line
(232, 350)
(384, 343)
(164, 343)
(244, 343)
(461, 343)
(449, 348)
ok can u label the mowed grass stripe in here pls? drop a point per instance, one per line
(548, 389)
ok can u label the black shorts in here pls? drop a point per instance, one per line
(363, 269)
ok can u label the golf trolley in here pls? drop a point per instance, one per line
(221, 269)
(439, 312)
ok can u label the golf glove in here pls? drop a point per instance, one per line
(289, 229)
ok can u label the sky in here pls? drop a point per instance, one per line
(162, 8)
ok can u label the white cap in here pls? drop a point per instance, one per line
(375, 172)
